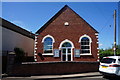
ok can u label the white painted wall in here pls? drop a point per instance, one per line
(11, 39)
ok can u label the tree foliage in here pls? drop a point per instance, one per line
(108, 52)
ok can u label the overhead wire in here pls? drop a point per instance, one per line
(105, 25)
(107, 21)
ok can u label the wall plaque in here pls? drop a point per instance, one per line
(56, 53)
(77, 53)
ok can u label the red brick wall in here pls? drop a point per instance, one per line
(77, 28)
(52, 68)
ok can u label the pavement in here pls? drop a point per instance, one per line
(79, 75)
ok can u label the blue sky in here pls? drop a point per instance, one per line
(32, 15)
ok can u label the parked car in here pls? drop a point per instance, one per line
(110, 65)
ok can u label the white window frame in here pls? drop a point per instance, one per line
(66, 40)
(89, 43)
(48, 36)
(52, 44)
(60, 47)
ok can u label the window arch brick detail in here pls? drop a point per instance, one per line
(66, 40)
(85, 36)
(48, 36)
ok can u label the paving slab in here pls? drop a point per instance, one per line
(90, 74)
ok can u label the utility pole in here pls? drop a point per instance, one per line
(114, 32)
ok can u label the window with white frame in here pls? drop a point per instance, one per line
(85, 45)
(48, 45)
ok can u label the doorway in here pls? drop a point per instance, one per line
(66, 52)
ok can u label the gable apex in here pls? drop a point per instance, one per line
(56, 15)
(53, 18)
(66, 6)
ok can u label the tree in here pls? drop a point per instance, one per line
(108, 52)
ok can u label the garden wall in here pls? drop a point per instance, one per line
(46, 68)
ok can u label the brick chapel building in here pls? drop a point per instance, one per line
(66, 37)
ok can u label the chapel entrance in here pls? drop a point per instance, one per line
(66, 52)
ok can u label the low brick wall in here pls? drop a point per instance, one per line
(45, 68)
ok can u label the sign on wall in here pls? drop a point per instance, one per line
(56, 53)
(77, 53)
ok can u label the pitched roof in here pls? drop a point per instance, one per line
(56, 15)
(13, 27)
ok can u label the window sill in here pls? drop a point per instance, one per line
(85, 54)
(47, 54)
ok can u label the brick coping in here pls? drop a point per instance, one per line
(60, 62)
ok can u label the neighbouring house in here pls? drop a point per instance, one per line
(15, 36)
(66, 37)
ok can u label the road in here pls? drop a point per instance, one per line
(78, 78)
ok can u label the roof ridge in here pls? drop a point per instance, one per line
(16, 28)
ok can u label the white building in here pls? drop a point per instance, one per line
(14, 36)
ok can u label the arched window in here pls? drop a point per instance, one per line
(48, 45)
(85, 45)
(66, 44)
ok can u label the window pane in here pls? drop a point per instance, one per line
(84, 39)
(63, 51)
(48, 51)
(108, 60)
(48, 39)
(47, 47)
(69, 50)
(48, 44)
(85, 45)
(85, 51)
(66, 44)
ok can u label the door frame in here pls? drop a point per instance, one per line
(66, 54)
(60, 47)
